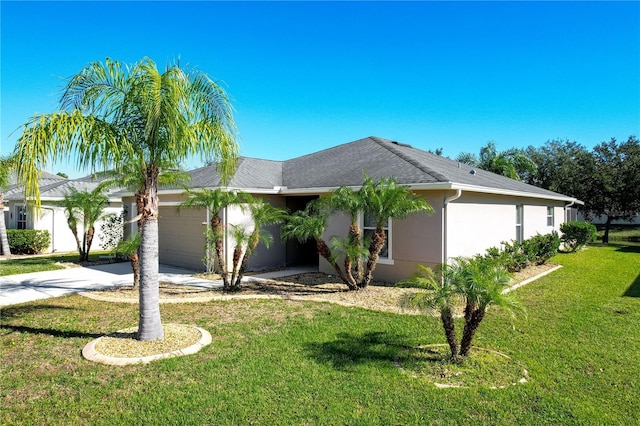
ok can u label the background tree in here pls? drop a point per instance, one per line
(512, 163)
(615, 192)
(113, 114)
(7, 165)
(562, 166)
(83, 209)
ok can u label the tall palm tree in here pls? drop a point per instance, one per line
(85, 207)
(384, 200)
(7, 164)
(113, 114)
(442, 296)
(215, 200)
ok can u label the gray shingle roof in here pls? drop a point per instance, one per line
(250, 173)
(56, 187)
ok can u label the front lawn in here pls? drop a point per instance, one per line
(285, 362)
(26, 264)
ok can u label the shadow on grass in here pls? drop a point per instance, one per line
(349, 350)
(634, 289)
(48, 332)
(19, 310)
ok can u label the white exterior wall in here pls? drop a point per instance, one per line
(477, 222)
(54, 220)
(473, 227)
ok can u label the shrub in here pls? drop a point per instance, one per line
(543, 247)
(576, 235)
(515, 256)
(28, 241)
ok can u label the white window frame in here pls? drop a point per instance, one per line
(388, 259)
(519, 222)
(551, 220)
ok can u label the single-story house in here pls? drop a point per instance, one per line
(52, 217)
(473, 209)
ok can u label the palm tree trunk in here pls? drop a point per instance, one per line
(217, 229)
(135, 265)
(450, 331)
(377, 242)
(355, 239)
(470, 328)
(74, 231)
(149, 323)
(325, 251)
(245, 260)
(235, 267)
(4, 240)
(90, 235)
(348, 266)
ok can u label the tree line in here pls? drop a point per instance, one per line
(606, 178)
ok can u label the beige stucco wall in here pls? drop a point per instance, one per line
(414, 240)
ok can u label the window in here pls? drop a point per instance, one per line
(21, 217)
(368, 226)
(549, 216)
(519, 223)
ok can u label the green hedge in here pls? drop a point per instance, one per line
(28, 241)
(575, 235)
(515, 256)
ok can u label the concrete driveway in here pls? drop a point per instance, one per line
(22, 288)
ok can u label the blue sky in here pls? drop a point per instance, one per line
(305, 76)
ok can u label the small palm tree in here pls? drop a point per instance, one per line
(215, 200)
(385, 200)
(310, 224)
(441, 297)
(350, 202)
(482, 284)
(262, 214)
(354, 256)
(129, 249)
(513, 163)
(7, 164)
(474, 283)
(85, 207)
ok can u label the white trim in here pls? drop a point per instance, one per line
(388, 260)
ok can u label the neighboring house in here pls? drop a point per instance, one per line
(51, 217)
(473, 209)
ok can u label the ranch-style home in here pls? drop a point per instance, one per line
(52, 217)
(473, 209)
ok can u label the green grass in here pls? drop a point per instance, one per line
(621, 233)
(284, 362)
(29, 264)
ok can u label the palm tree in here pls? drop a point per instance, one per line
(442, 296)
(129, 248)
(482, 284)
(350, 202)
(215, 200)
(262, 214)
(7, 164)
(384, 200)
(310, 224)
(113, 114)
(513, 163)
(85, 207)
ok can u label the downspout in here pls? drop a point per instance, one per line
(566, 212)
(447, 200)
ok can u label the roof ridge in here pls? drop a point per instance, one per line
(407, 158)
